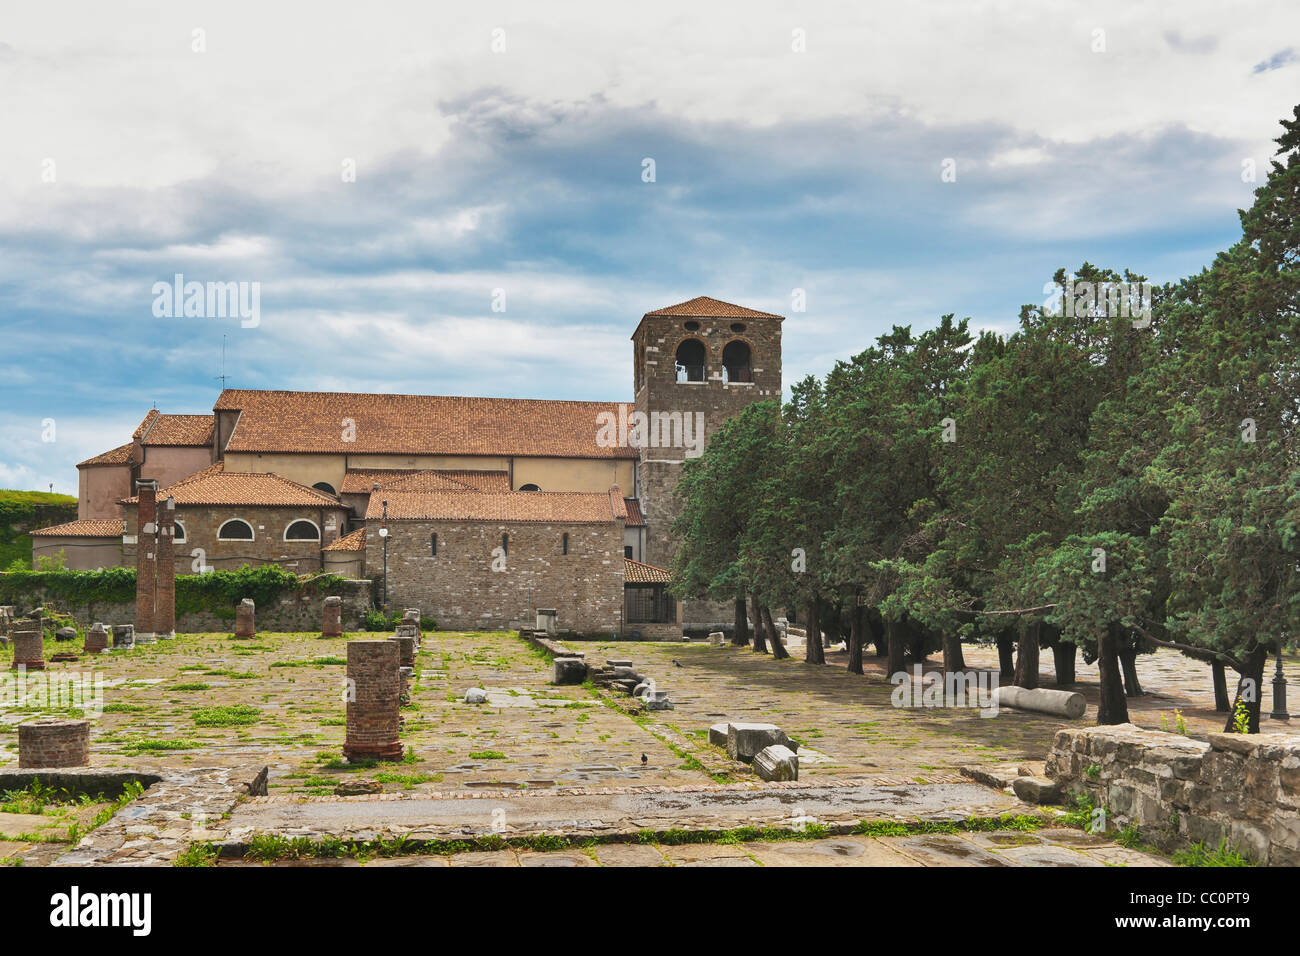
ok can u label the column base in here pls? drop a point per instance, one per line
(393, 751)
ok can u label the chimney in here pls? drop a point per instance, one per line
(146, 559)
(165, 598)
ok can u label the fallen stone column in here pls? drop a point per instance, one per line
(777, 763)
(374, 701)
(54, 743)
(745, 739)
(1058, 703)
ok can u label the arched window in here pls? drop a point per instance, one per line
(433, 546)
(180, 533)
(302, 530)
(326, 487)
(691, 360)
(735, 361)
(235, 529)
(564, 543)
(529, 487)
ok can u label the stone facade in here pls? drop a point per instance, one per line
(1243, 789)
(655, 345)
(459, 589)
(202, 522)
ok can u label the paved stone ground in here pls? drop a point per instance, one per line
(1048, 847)
(172, 704)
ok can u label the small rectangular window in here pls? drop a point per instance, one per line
(564, 543)
(627, 551)
(433, 549)
(505, 544)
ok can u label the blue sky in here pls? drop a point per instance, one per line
(500, 146)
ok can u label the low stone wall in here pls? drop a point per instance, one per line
(1244, 789)
(291, 612)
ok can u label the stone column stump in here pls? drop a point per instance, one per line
(332, 617)
(245, 625)
(54, 743)
(374, 701)
(96, 639)
(29, 649)
(124, 637)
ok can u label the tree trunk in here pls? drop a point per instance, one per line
(876, 626)
(1027, 658)
(831, 625)
(1064, 653)
(917, 638)
(812, 653)
(954, 661)
(1128, 661)
(1113, 708)
(855, 638)
(760, 642)
(1006, 657)
(896, 634)
(1221, 702)
(1250, 688)
(778, 649)
(740, 636)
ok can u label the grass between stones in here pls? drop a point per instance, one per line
(271, 848)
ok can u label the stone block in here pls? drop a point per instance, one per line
(66, 634)
(777, 763)
(569, 670)
(745, 739)
(123, 636)
(1037, 790)
(658, 700)
(476, 695)
(718, 734)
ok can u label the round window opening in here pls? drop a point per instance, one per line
(691, 326)
(737, 327)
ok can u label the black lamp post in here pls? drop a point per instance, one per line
(1279, 689)
(383, 533)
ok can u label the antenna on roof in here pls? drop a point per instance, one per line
(222, 376)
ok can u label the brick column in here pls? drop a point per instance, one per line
(146, 560)
(165, 596)
(29, 648)
(245, 623)
(374, 701)
(332, 617)
(54, 743)
(96, 639)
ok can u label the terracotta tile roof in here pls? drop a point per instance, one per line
(362, 480)
(558, 507)
(356, 541)
(121, 455)
(83, 528)
(150, 417)
(179, 431)
(634, 517)
(215, 486)
(617, 504)
(634, 572)
(703, 306)
(307, 422)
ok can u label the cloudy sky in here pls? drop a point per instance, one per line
(499, 155)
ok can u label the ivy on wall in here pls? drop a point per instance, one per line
(216, 591)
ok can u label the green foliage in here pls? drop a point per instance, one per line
(233, 715)
(24, 511)
(197, 854)
(1241, 718)
(1201, 855)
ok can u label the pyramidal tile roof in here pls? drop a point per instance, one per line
(706, 307)
(356, 541)
(83, 528)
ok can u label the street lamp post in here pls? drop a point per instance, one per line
(1279, 689)
(383, 533)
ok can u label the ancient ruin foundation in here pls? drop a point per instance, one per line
(28, 649)
(54, 743)
(332, 617)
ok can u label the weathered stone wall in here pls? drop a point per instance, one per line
(297, 612)
(1244, 789)
(268, 546)
(460, 590)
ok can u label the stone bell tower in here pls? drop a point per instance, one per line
(696, 364)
